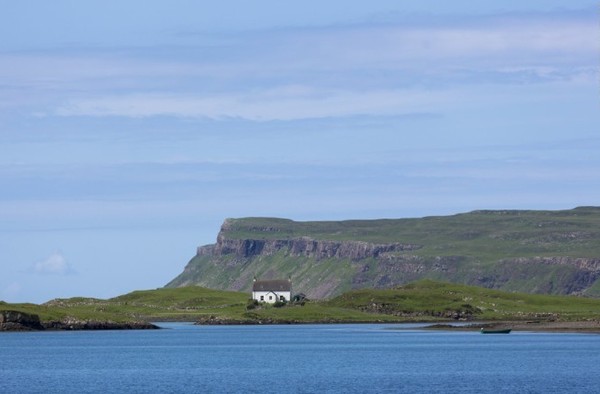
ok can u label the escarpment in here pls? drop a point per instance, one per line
(19, 321)
(552, 252)
(302, 247)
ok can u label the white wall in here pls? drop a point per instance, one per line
(274, 296)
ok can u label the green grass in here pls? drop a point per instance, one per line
(186, 304)
(191, 297)
(180, 304)
(415, 301)
(489, 234)
(497, 249)
(489, 304)
(316, 312)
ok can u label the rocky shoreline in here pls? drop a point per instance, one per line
(585, 326)
(21, 321)
(222, 321)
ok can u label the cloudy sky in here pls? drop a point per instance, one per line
(130, 130)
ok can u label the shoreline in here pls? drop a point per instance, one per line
(581, 327)
(14, 320)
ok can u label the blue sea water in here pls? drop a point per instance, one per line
(297, 359)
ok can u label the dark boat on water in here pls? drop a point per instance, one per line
(495, 331)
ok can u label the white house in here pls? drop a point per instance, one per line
(271, 291)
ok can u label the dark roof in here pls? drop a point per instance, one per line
(272, 285)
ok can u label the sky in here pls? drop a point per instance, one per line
(130, 130)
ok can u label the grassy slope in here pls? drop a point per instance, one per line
(429, 295)
(192, 303)
(490, 234)
(185, 303)
(475, 242)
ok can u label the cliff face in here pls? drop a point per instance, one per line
(548, 275)
(528, 251)
(302, 247)
(19, 321)
(233, 263)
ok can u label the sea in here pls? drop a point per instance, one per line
(348, 358)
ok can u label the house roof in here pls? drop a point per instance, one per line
(272, 285)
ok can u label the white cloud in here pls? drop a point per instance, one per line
(270, 104)
(486, 44)
(334, 71)
(500, 39)
(297, 102)
(495, 41)
(338, 71)
(55, 264)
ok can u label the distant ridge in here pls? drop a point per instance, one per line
(552, 252)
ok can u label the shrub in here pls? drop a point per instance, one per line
(252, 304)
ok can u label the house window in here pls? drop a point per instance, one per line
(281, 298)
(270, 298)
(262, 298)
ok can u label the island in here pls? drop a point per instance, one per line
(442, 304)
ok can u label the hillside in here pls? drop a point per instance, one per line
(188, 304)
(424, 300)
(550, 252)
(131, 310)
(447, 300)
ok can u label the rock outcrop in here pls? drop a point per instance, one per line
(19, 321)
(550, 275)
(69, 324)
(301, 247)
(584, 264)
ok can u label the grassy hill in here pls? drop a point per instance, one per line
(430, 298)
(548, 252)
(182, 304)
(420, 301)
(490, 234)
(188, 304)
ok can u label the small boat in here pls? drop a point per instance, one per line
(495, 331)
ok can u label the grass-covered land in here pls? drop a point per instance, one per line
(186, 303)
(420, 301)
(544, 252)
(430, 298)
(490, 235)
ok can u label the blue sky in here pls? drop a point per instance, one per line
(129, 132)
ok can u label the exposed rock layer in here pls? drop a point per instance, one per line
(301, 247)
(75, 324)
(509, 250)
(21, 321)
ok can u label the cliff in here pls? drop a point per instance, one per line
(19, 321)
(555, 252)
(302, 247)
(12, 320)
